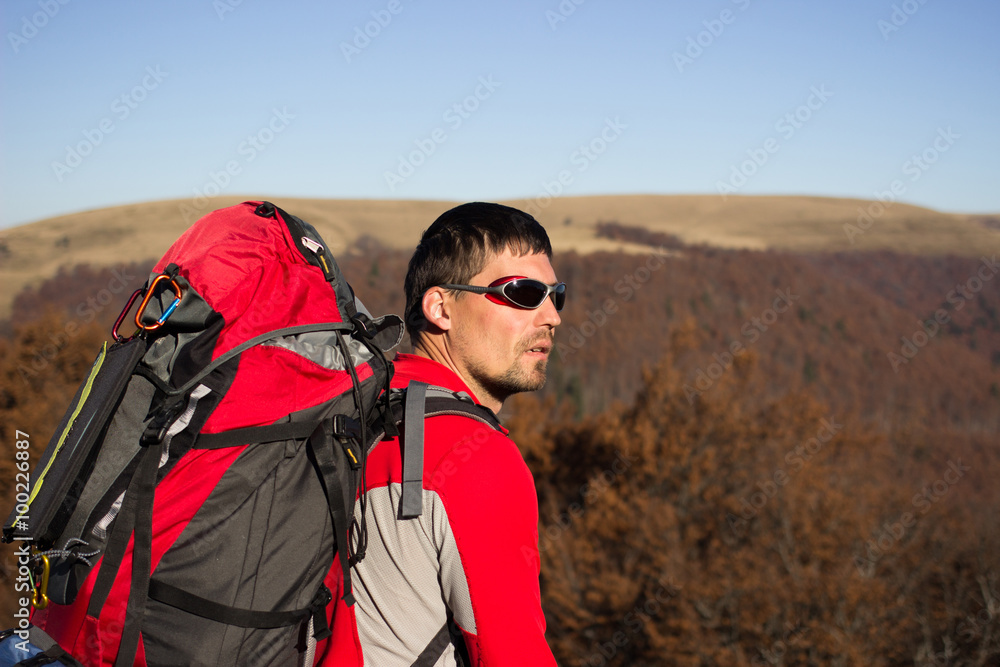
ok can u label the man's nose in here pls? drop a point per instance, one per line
(548, 315)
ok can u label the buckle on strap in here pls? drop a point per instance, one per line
(364, 326)
(321, 628)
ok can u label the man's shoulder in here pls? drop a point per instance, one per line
(456, 428)
(461, 416)
(463, 456)
(410, 367)
(451, 433)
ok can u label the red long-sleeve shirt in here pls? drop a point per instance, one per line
(473, 552)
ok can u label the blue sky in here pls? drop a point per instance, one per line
(104, 103)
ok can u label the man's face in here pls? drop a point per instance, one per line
(500, 349)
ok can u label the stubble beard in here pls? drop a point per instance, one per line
(516, 379)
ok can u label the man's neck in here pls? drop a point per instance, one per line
(436, 353)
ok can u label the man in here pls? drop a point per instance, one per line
(482, 306)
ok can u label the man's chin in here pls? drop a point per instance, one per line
(535, 377)
(520, 380)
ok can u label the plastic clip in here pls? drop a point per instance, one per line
(160, 425)
(364, 326)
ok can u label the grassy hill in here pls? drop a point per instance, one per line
(732, 432)
(106, 237)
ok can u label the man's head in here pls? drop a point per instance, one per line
(459, 244)
(497, 347)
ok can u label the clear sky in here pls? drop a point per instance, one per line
(110, 102)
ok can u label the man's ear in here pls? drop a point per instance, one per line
(435, 308)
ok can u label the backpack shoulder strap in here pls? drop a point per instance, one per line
(441, 401)
(422, 401)
(411, 504)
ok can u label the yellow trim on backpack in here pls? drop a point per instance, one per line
(94, 370)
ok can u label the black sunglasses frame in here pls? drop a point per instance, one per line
(557, 291)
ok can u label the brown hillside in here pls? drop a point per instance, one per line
(805, 501)
(137, 232)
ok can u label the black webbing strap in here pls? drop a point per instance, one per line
(267, 433)
(357, 541)
(244, 618)
(113, 554)
(55, 655)
(142, 486)
(336, 488)
(52, 653)
(435, 648)
(412, 501)
(121, 531)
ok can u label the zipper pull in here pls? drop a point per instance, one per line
(317, 249)
(312, 245)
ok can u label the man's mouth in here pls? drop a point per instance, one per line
(541, 348)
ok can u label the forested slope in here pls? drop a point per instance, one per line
(741, 457)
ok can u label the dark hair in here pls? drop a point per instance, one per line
(460, 243)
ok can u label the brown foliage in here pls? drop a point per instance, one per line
(727, 531)
(40, 369)
(83, 293)
(619, 232)
(800, 501)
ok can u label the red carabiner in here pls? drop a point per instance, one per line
(121, 318)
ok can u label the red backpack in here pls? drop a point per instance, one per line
(203, 481)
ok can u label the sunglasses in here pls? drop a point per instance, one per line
(519, 292)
